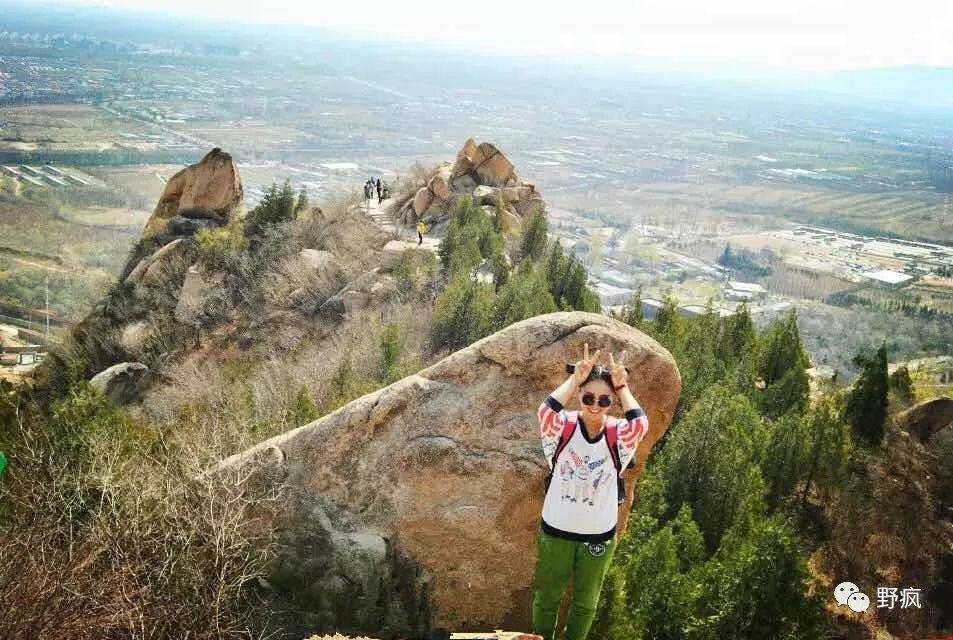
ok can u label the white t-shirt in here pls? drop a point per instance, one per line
(582, 500)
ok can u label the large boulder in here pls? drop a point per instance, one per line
(121, 382)
(416, 506)
(208, 189)
(928, 418)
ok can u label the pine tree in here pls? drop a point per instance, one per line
(461, 313)
(631, 312)
(827, 446)
(738, 335)
(758, 586)
(711, 462)
(901, 384)
(302, 206)
(535, 236)
(276, 206)
(867, 401)
(783, 369)
(524, 296)
(301, 410)
(669, 326)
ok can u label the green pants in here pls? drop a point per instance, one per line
(557, 562)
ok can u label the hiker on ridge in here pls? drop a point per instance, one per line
(576, 539)
(421, 230)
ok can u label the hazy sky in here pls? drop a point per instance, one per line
(805, 34)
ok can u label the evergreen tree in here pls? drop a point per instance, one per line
(701, 343)
(711, 462)
(302, 206)
(867, 400)
(631, 312)
(657, 595)
(524, 296)
(828, 445)
(276, 206)
(738, 335)
(783, 369)
(462, 313)
(669, 326)
(557, 271)
(901, 384)
(535, 236)
(758, 586)
(301, 410)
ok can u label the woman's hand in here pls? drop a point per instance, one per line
(584, 366)
(620, 377)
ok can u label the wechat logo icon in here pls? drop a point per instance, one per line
(848, 593)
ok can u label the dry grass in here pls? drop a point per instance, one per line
(111, 531)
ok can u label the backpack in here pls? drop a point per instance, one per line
(612, 439)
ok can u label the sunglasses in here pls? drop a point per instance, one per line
(589, 399)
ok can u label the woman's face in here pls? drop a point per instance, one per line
(594, 390)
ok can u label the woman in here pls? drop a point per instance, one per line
(576, 540)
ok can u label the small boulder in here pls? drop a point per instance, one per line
(121, 382)
(486, 195)
(149, 268)
(928, 418)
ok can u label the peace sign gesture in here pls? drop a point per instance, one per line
(617, 370)
(584, 366)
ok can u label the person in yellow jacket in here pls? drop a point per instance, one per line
(421, 230)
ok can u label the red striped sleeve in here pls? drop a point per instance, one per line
(550, 421)
(633, 429)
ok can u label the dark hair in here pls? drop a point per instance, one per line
(598, 372)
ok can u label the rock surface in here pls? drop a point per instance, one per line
(120, 382)
(927, 418)
(416, 506)
(208, 189)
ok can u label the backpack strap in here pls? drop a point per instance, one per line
(564, 438)
(612, 439)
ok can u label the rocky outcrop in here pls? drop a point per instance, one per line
(209, 190)
(416, 505)
(121, 382)
(927, 418)
(481, 171)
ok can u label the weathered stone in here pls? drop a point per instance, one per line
(529, 206)
(423, 201)
(486, 195)
(149, 268)
(928, 418)
(449, 454)
(121, 382)
(212, 185)
(494, 168)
